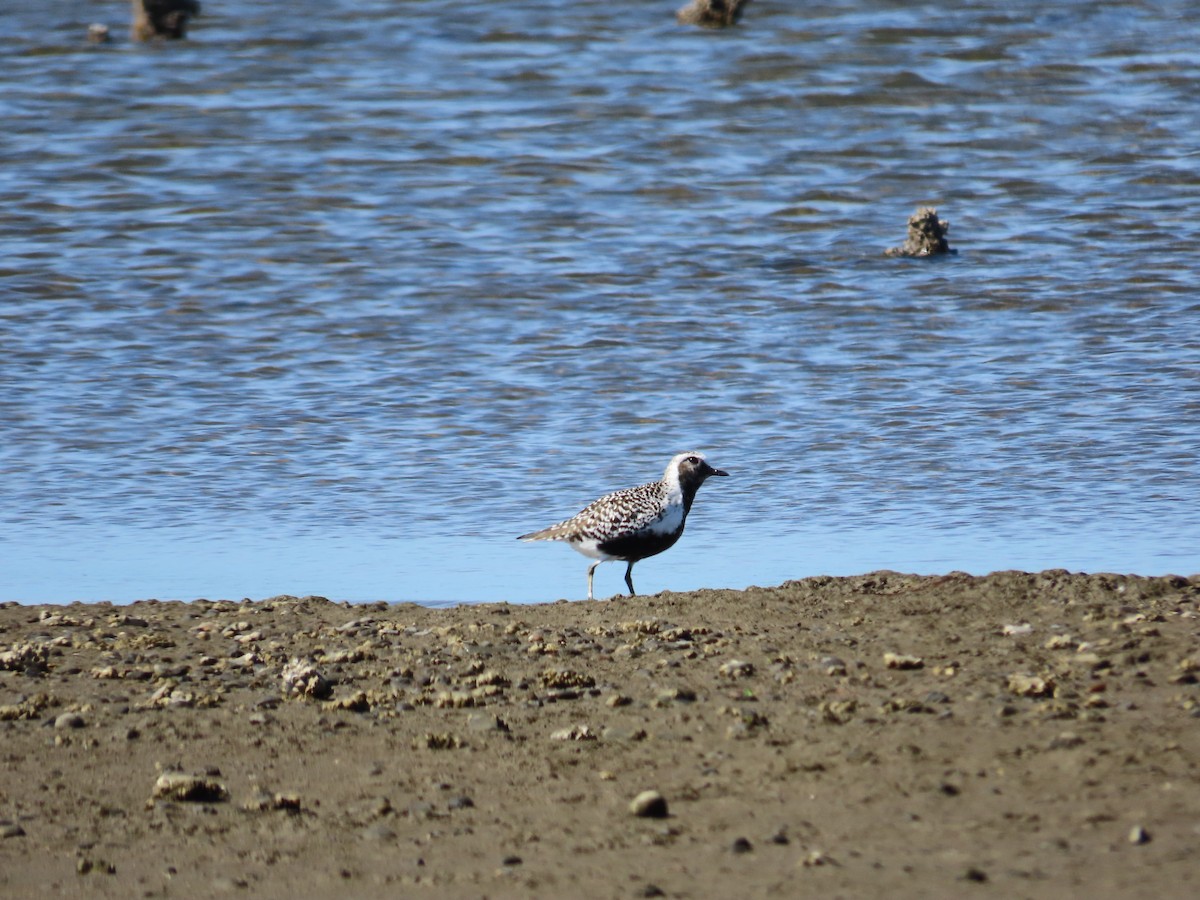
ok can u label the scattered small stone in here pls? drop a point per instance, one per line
(28, 658)
(379, 831)
(833, 665)
(1139, 835)
(512, 860)
(838, 712)
(977, 875)
(487, 722)
(181, 787)
(1187, 672)
(815, 858)
(11, 829)
(1030, 685)
(85, 865)
(301, 679)
(649, 805)
(565, 678)
(1065, 741)
(574, 733)
(900, 661)
(676, 695)
(289, 802)
(926, 235)
(169, 695)
(1017, 630)
(651, 890)
(491, 679)
(741, 845)
(356, 702)
(618, 734)
(444, 741)
(260, 801)
(421, 811)
(374, 808)
(750, 722)
(736, 668)
(69, 720)
(1092, 661)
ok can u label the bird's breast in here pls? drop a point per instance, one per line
(671, 520)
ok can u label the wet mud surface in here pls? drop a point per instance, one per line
(1014, 735)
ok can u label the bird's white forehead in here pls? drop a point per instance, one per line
(673, 465)
(671, 475)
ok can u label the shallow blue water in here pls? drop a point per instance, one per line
(340, 303)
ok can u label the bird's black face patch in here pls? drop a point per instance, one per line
(693, 471)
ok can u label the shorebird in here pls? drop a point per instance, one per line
(634, 523)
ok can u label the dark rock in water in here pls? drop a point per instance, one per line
(162, 18)
(711, 13)
(926, 235)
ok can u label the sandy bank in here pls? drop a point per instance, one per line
(1015, 735)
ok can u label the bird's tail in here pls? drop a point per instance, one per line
(553, 533)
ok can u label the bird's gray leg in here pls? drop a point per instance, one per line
(629, 580)
(591, 569)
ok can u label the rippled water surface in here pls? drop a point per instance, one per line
(341, 299)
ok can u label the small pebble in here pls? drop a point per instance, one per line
(833, 665)
(69, 720)
(1139, 835)
(378, 832)
(11, 829)
(181, 787)
(649, 805)
(736, 668)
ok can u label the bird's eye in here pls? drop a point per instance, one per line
(694, 460)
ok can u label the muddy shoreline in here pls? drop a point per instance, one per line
(1011, 735)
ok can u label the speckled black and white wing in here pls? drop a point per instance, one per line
(614, 516)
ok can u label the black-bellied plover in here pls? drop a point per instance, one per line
(634, 523)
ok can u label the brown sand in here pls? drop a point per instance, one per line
(1014, 735)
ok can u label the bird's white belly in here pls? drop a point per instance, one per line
(590, 547)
